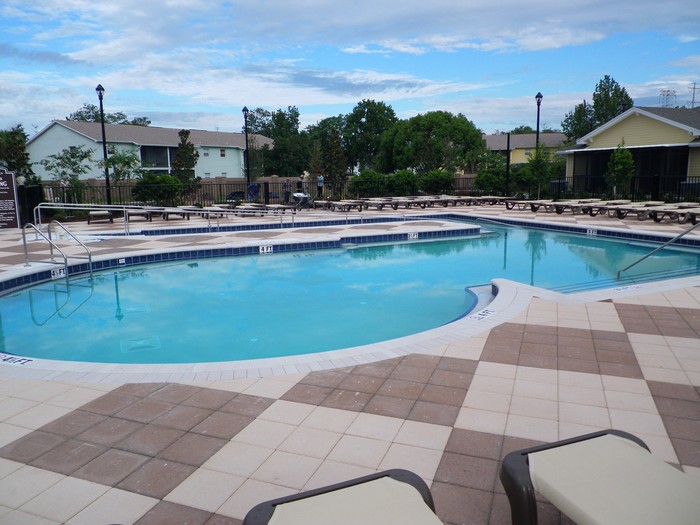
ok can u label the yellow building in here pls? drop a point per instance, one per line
(522, 146)
(665, 145)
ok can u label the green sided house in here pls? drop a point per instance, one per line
(220, 154)
(665, 146)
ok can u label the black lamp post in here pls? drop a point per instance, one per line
(538, 98)
(247, 157)
(100, 94)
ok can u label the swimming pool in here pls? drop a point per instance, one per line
(296, 303)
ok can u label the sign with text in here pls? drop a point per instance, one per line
(9, 210)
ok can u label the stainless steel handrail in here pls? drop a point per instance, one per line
(87, 250)
(619, 272)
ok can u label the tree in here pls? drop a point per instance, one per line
(185, 159)
(434, 140)
(290, 155)
(123, 165)
(491, 173)
(67, 166)
(522, 130)
(335, 163)
(91, 113)
(364, 127)
(609, 100)
(538, 168)
(579, 122)
(13, 150)
(620, 169)
(158, 188)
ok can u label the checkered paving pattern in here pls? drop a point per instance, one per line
(205, 453)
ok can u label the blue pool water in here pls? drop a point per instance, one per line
(252, 307)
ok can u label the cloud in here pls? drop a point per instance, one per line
(12, 52)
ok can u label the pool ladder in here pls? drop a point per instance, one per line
(62, 273)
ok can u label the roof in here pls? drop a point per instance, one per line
(523, 141)
(155, 136)
(683, 118)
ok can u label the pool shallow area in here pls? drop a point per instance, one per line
(268, 306)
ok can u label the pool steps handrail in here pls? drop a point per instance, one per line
(674, 239)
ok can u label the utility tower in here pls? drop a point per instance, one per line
(693, 90)
(667, 98)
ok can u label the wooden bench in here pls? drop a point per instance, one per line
(100, 216)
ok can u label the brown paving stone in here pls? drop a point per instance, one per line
(326, 378)
(689, 409)
(110, 431)
(443, 395)
(621, 370)
(434, 413)
(453, 364)
(150, 440)
(471, 443)
(69, 456)
(609, 356)
(412, 373)
(139, 389)
(682, 428)
(459, 505)
(403, 389)
(31, 446)
(505, 356)
(585, 366)
(145, 410)
(166, 513)
(537, 337)
(209, 398)
(389, 406)
(218, 519)
(449, 378)
(674, 391)
(175, 393)
(192, 449)
(309, 394)
(688, 451)
(182, 417)
(156, 478)
(381, 369)
(246, 405)
(608, 335)
(538, 361)
(111, 467)
(576, 352)
(361, 383)
(347, 400)
(110, 403)
(538, 349)
(222, 425)
(420, 360)
(467, 471)
(73, 423)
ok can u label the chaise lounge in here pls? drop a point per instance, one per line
(391, 497)
(606, 477)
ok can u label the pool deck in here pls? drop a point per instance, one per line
(202, 444)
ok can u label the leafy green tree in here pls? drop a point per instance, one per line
(538, 166)
(123, 165)
(402, 183)
(620, 169)
(335, 163)
(13, 150)
(368, 184)
(609, 100)
(491, 173)
(437, 182)
(69, 165)
(522, 130)
(364, 127)
(91, 113)
(290, 153)
(158, 189)
(185, 159)
(579, 122)
(434, 140)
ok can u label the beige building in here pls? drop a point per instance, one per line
(665, 145)
(523, 146)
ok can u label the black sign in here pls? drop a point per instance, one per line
(9, 211)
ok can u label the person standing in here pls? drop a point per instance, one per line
(300, 184)
(319, 186)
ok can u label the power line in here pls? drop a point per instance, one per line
(693, 90)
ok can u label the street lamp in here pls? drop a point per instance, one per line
(538, 98)
(247, 156)
(100, 94)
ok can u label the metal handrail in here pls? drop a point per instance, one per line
(87, 250)
(51, 243)
(619, 272)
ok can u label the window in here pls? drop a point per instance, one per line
(222, 152)
(207, 175)
(206, 153)
(223, 174)
(154, 156)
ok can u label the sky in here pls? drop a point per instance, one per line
(196, 63)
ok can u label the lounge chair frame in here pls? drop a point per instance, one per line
(262, 512)
(515, 475)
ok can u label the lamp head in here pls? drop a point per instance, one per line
(100, 91)
(539, 98)
(245, 112)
